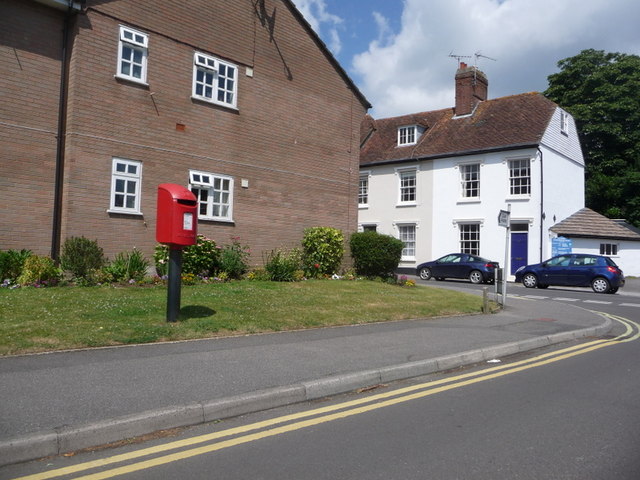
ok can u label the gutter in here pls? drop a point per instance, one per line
(504, 148)
(56, 228)
(542, 214)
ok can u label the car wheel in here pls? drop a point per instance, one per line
(613, 290)
(600, 285)
(475, 276)
(530, 280)
(425, 273)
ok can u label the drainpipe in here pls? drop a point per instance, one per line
(542, 214)
(61, 134)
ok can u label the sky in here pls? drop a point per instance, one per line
(399, 52)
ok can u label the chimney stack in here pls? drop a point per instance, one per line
(471, 88)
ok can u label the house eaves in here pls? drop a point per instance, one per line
(462, 153)
(63, 4)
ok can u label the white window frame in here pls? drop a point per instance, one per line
(407, 135)
(405, 189)
(363, 190)
(208, 72)
(470, 186)
(136, 42)
(407, 234)
(517, 185)
(564, 122)
(214, 193)
(126, 181)
(609, 249)
(470, 238)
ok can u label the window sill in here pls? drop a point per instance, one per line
(363, 207)
(126, 212)
(213, 102)
(518, 198)
(216, 220)
(131, 80)
(469, 200)
(403, 205)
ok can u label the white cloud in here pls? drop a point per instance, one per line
(385, 34)
(411, 70)
(316, 13)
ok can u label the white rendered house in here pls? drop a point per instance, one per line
(438, 180)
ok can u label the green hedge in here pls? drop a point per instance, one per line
(374, 254)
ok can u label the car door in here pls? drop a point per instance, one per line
(556, 271)
(582, 270)
(444, 266)
(460, 267)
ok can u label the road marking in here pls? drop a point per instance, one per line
(324, 414)
(630, 304)
(599, 302)
(564, 299)
(536, 297)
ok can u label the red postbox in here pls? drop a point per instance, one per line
(177, 215)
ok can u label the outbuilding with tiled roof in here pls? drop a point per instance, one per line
(591, 232)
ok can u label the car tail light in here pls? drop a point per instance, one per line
(613, 270)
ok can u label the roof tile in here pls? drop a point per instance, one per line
(500, 123)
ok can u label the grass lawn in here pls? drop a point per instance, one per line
(45, 319)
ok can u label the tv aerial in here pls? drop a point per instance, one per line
(476, 56)
(458, 57)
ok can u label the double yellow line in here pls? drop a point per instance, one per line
(248, 433)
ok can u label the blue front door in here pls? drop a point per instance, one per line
(519, 249)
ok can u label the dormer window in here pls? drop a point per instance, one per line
(407, 135)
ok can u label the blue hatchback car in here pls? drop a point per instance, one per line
(574, 270)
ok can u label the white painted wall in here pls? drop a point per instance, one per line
(384, 212)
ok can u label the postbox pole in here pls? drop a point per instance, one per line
(175, 278)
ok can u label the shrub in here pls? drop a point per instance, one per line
(202, 259)
(374, 254)
(258, 274)
(81, 257)
(322, 248)
(12, 263)
(282, 265)
(39, 271)
(128, 266)
(233, 259)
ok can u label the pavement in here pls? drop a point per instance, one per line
(64, 401)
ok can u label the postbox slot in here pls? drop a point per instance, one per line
(186, 202)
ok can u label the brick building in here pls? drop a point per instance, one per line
(101, 101)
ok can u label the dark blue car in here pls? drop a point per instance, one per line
(458, 265)
(574, 270)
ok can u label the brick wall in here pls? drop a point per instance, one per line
(293, 138)
(29, 93)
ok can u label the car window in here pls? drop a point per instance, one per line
(561, 261)
(609, 262)
(579, 262)
(590, 261)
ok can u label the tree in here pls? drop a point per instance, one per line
(602, 92)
